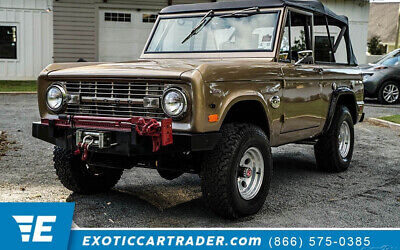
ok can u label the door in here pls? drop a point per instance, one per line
(302, 90)
(123, 33)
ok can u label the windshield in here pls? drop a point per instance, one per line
(392, 60)
(389, 59)
(221, 34)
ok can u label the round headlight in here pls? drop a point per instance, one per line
(174, 102)
(55, 97)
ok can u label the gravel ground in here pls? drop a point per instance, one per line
(368, 195)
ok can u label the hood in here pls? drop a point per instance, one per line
(210, 70)
(151, 69)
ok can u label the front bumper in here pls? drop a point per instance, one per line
(127, 141)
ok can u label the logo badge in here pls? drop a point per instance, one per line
(35, 225)
(25, 223)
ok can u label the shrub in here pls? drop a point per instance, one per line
(375, 47)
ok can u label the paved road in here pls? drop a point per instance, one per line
(374, 109)
(368, 195)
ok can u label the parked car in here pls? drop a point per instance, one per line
(217, 85)
(382, 79)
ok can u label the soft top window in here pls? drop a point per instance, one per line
(330, 42)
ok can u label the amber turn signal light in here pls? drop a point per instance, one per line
(213, 118)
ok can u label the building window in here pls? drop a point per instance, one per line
(117, 17)
(323, 52)
(149, 18)
(8, 42)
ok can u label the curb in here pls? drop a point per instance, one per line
(379, 122)
(17, 93)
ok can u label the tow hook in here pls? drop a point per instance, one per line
(160, 134)
(83, 147)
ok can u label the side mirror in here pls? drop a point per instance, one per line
(305, 56)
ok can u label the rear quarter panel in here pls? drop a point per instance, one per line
(342, 76)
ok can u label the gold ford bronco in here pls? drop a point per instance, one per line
(217, 85)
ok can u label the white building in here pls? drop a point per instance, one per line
(26, 38)
(107, 30)
(358, 13)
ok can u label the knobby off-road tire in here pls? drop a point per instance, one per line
(221, 170)
(389, 93)
(334, 150)
(75, 175)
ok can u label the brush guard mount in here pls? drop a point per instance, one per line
(95, 131)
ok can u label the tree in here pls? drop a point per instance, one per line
(300, 44)
(375, 47)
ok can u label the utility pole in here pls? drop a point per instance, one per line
(398, 30)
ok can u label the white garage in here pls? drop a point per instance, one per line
(122, 33)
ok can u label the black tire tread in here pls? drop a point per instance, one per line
(325, 149)
(215, 167)
(69, 171)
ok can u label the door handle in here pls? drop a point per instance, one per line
(318, 70)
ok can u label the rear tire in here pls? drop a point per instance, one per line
(334, 150)
(226, 189)
(389, 93)
(78, 177)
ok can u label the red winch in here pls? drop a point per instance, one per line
(160, 132)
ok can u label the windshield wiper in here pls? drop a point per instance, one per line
(203, 22)
(243, 13)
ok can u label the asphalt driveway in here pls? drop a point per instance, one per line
(368, 195)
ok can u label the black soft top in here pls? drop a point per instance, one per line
(312, 5)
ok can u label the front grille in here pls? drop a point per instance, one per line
(114, 98)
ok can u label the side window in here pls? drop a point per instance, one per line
(330, 45)
(323, 51)
(339, 45)
(297, 36)
(285, 45)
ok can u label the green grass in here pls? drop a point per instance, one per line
(393, 118)
(18, 86)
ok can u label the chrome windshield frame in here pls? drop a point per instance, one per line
(214, 54)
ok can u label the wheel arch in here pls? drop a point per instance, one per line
(252, 108)
(345, 97)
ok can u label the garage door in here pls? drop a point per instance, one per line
(123, 33)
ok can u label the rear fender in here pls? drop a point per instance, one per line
(342, 95)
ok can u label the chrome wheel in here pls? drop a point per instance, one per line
(250, 173)
(391, 93)
(344, 139)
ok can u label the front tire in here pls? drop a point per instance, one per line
(236, 175)
(78, 177)
(334, 150)
(389, 93)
